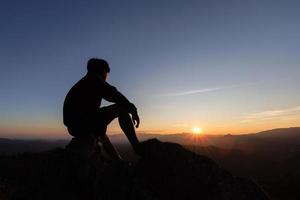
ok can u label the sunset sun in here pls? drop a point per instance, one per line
(197, 130)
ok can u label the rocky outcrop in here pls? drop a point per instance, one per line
(166, 171)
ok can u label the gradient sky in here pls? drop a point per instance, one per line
(226, 66)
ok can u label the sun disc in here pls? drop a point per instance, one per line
(197, 130)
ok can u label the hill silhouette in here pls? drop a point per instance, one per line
(166, 171)
(281, 136)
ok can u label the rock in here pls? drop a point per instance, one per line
(173, 172)
(166, 171)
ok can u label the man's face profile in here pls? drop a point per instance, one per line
(103, 75)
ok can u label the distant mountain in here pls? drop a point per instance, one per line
(281, 133)
(13, 146)
(280, 136)
(292, 134)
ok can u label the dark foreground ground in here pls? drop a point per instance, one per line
(166, 171)
(270, 158)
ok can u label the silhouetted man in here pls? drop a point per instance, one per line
(85, 119)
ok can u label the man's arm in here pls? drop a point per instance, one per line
(111, 94)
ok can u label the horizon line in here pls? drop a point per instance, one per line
(144, 133)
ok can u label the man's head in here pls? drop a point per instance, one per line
(99, 67)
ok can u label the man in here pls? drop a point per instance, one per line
(85, 119)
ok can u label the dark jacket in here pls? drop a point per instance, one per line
(84, 99)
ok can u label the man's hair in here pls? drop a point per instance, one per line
(97, 65)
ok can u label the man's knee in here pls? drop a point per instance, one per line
(120, 110)
(111, 112)
(123, 112)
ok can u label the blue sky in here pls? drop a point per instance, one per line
(212, 64)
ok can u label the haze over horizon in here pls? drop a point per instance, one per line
(227, 67)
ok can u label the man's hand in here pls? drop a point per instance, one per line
(135, 119)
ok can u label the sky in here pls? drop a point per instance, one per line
(224, 66)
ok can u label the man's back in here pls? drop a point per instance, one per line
(83, 100)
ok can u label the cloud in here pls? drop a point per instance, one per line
(270, 114)
(191, 92)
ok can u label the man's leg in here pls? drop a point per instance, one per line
(127, 127)
(111, 112)
(109, 148)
